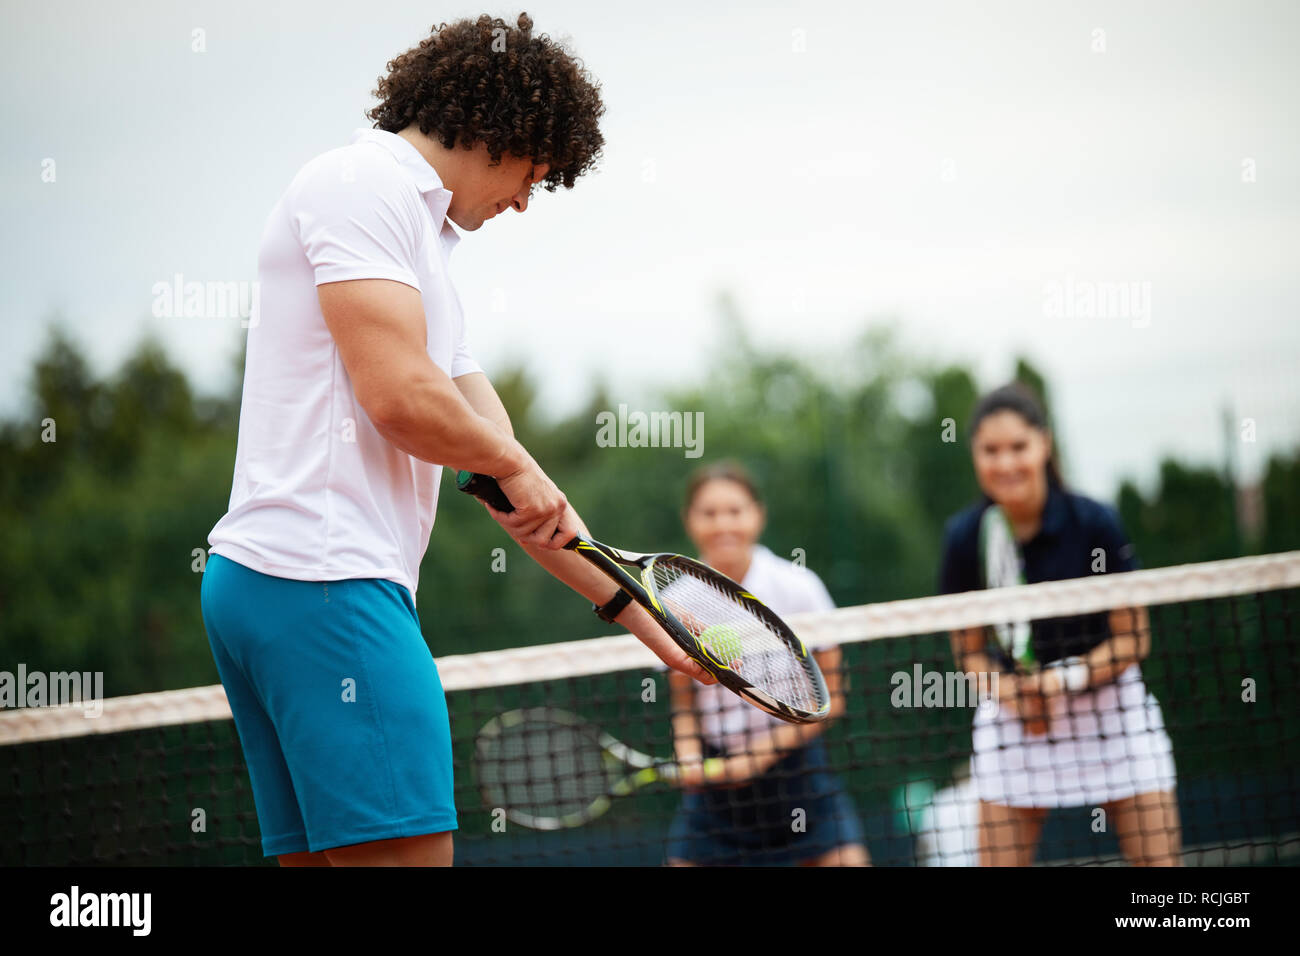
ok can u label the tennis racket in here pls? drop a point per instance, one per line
(551, 770)
(720, 625)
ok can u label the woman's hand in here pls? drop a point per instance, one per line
(690, 774)
(1070, 675)
(1024, 694)
(696, 773)
(1051, 682)
(719, 772)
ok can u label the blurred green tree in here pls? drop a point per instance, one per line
(1189, 517)
(1281, 504)
(862, 455)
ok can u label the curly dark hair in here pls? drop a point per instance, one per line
(481, 81)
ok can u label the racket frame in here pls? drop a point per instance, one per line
(645, 769)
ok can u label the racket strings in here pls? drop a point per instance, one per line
(545, 770)
(735, 634)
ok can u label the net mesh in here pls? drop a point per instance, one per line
(159, 778)
(543, 767)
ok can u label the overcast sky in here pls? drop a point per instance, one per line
(973, 170)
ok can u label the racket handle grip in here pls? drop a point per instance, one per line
(485, 488)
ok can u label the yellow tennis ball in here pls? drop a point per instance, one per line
(723, 642)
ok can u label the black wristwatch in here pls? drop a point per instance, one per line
(614, 607)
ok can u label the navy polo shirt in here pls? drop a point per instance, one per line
(1076, 533)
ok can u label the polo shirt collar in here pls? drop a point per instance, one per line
(436, 196)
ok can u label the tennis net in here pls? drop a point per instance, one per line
(159, 778)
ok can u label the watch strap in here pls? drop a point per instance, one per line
(613, 607)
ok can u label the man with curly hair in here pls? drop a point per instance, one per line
(359, 386)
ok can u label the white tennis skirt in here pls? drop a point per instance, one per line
(1104, 744)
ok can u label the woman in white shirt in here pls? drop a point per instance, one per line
(774, 801)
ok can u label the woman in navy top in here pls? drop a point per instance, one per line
(1075, 725)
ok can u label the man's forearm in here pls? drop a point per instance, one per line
(576, 572)
(435, 423)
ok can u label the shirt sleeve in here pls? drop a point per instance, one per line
(959, 566)
(463, 363)
(352, 212)
(1108, 535)
(818, 598)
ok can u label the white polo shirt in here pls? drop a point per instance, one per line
(318, 493)
(727, 721)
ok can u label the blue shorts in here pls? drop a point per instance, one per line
(753, 825)
(338, 704)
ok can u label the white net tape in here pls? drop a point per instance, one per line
(1193, 582)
